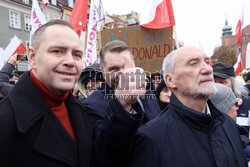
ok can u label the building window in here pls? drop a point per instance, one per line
(56, 17)
(53, 2)
(67, 17)
(14, 19)
(26, 1)
(46, 14)
(27, 44)
(27, 25)
(71, 3)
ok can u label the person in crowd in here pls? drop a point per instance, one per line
(90, 79)
(248, 83)
(224, 74)
(192, 132)
(156, 79)
(41, 122)
(225, 101)
(116, 61)
(112, 61)
(7, 79)
(163, 95)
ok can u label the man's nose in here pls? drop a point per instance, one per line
(69, 60)
(206, 68)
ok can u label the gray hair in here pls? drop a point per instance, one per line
(239, 89)
(168, 64)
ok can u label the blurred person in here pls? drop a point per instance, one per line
(131, 111)
(41, 122)
(90, 79)
(7, 78)
(248, 83)
(163, 95)
(226, 102)
(156, 79)
(224, 74)
(190, 132)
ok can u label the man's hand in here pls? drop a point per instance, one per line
(13, 60)
(132, 85)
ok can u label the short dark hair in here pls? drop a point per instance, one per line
(113, 46)
(37, 36)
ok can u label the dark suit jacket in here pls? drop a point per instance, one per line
(32, 136)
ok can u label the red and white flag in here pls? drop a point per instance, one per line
(239, 27)
(37, 17)
(78, 17)
(238, 67)
(45, 3)
(15, 46)
(157, 14)
(96, 18)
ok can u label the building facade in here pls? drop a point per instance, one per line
(118, 21)
(15, 16)
(230, 40)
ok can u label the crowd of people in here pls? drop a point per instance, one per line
(113, 114)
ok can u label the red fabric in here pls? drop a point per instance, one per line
(210, 63)
(238, 32)
(238, 69)
(164, 16)
(45, 3)
(78, 17)
(56, 104)
(20, 50)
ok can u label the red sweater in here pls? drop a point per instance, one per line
(56, 104)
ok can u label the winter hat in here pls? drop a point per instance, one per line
(223, 98)
(223, 70)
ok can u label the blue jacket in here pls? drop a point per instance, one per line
(181, 137)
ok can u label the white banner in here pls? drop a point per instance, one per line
(10, 49)
(37, 17)
(96, 18)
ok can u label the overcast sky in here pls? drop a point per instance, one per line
(198, 22)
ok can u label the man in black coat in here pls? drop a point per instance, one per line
(191, 132)
(116, 61)
(41, 122)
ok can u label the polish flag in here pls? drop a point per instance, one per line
(157, 14)
(37, 17)
(45, 3)
(238, 66)
(239, 27)
(15, 46)
(78, 17)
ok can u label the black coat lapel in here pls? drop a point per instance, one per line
(55, 142)
(83, 126)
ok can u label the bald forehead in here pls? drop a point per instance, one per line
(188, 52)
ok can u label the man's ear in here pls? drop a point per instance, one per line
(169, 79)
(32, 57)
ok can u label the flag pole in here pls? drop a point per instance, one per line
(176, 38)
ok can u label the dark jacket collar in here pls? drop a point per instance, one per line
(25, 115)
(105, 88)
(29, 107)
(197, 120)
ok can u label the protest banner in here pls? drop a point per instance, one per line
(149, 46)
